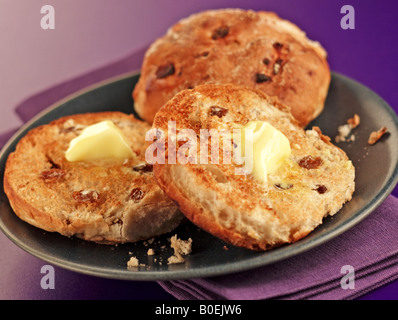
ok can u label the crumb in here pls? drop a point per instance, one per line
(376, 135)
(320, 134)
(150, 241)
(150, 252)
(180, 247)
(354, 121)
(225, 248)
(345, 129)
(175, 259)
(133, 262)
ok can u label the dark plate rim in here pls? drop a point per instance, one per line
(254, 262)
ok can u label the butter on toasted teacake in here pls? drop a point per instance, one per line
(103, 140)
(270, 148)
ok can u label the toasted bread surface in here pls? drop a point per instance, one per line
(316, 180)
(255, 49)
(107, 201)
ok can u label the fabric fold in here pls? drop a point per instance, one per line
(369, 248)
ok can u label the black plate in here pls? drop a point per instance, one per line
(376, 175)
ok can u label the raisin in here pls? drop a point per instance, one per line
(284, 186)
(86, 196)
(261, 77)
(321, 188)
(266, 61)
(136, 194)
(310, 162)
(143, 167)
(53, 165)
(220, 33)
(165, 70)
(278, 46)
(52, 174)
(218, 111)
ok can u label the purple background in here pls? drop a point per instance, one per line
(92, 33)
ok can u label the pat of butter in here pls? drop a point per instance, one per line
(270, 148)
(102, 140)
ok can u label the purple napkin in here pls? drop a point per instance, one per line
(370, 248)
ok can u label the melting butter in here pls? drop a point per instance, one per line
(103, 140)
(269, 151)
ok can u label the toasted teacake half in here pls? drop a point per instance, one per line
(255, 49)
(102, 201)
(314, 182)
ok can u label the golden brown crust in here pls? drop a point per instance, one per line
(194, 213)
(254, 49)
(102, 201)
(316, 180)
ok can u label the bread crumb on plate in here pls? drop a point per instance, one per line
(180, 247)
(376, 135)
(345, 129)
(132, 263)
